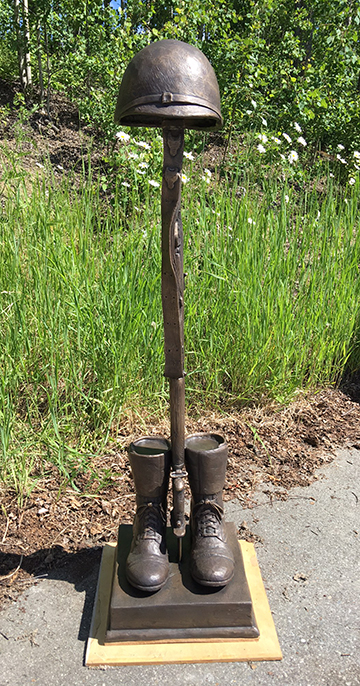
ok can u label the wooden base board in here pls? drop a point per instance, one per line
(266, 647)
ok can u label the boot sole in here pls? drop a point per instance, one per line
(147, 589)
(213, 584)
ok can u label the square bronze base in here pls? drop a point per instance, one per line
(182, 609)
(100, 653)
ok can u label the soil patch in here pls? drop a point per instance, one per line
(276, 447)
(272, 448)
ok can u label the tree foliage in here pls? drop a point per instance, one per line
(297, 60)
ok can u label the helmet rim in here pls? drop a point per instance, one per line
(153, 88)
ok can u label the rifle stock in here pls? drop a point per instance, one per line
(172, 289)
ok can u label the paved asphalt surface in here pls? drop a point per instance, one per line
(310, 562)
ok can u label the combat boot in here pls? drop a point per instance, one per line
(212, 562)
(147, 565)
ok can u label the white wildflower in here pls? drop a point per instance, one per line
(302, 141)
(343, 161)
(133, 155)
(293, 156)
(189, 156)
(122, 136)
(206, 178)
(153, 324)
(155, 184)
(142, 144)
(346, 201)
(263, 121)
(331, 175)
(286, 198)
(351, 181)
(143, 165)
(282, 156)
(126, 184)
(254, 104)
(208, 173)
(287, 137)
(356, 167)
(276, 140)
(250, 221)
(60, 167)
(357, 154)
(297, 127)
(261, 148)
(140, 171)
(249, 112)
(184, 178)
(340, 147)
(263, 137)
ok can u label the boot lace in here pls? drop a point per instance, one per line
(208, 518)
(151, 517)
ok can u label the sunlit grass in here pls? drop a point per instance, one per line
(271, 305)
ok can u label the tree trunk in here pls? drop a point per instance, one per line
(48, 71)
(27, 44)
(41, 79)
(20, 45)
(87, 46)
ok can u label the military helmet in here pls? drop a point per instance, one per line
(169, 80)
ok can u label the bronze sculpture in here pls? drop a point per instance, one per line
(171, 84)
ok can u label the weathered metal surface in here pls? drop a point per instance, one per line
(207, 454)
(169, 80)
(147, 565)
(172, 289)
(182, 608)
(211, 559)
(178, 473)
(172, 270)
(172, 84)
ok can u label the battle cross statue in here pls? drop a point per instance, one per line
(171, 85)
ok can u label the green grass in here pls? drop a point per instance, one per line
(271, 306)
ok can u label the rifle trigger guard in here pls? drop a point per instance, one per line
(178, 474)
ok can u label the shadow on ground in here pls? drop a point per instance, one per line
(350, 385)
(79, 569)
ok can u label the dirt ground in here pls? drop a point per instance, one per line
(60, 139)
(275, 446)
(63, 140)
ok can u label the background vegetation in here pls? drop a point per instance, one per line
(271, 215)
(298, 60)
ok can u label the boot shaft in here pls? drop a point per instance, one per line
(150, 460)
(206, 460)
(147, 565)
(211, 560)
